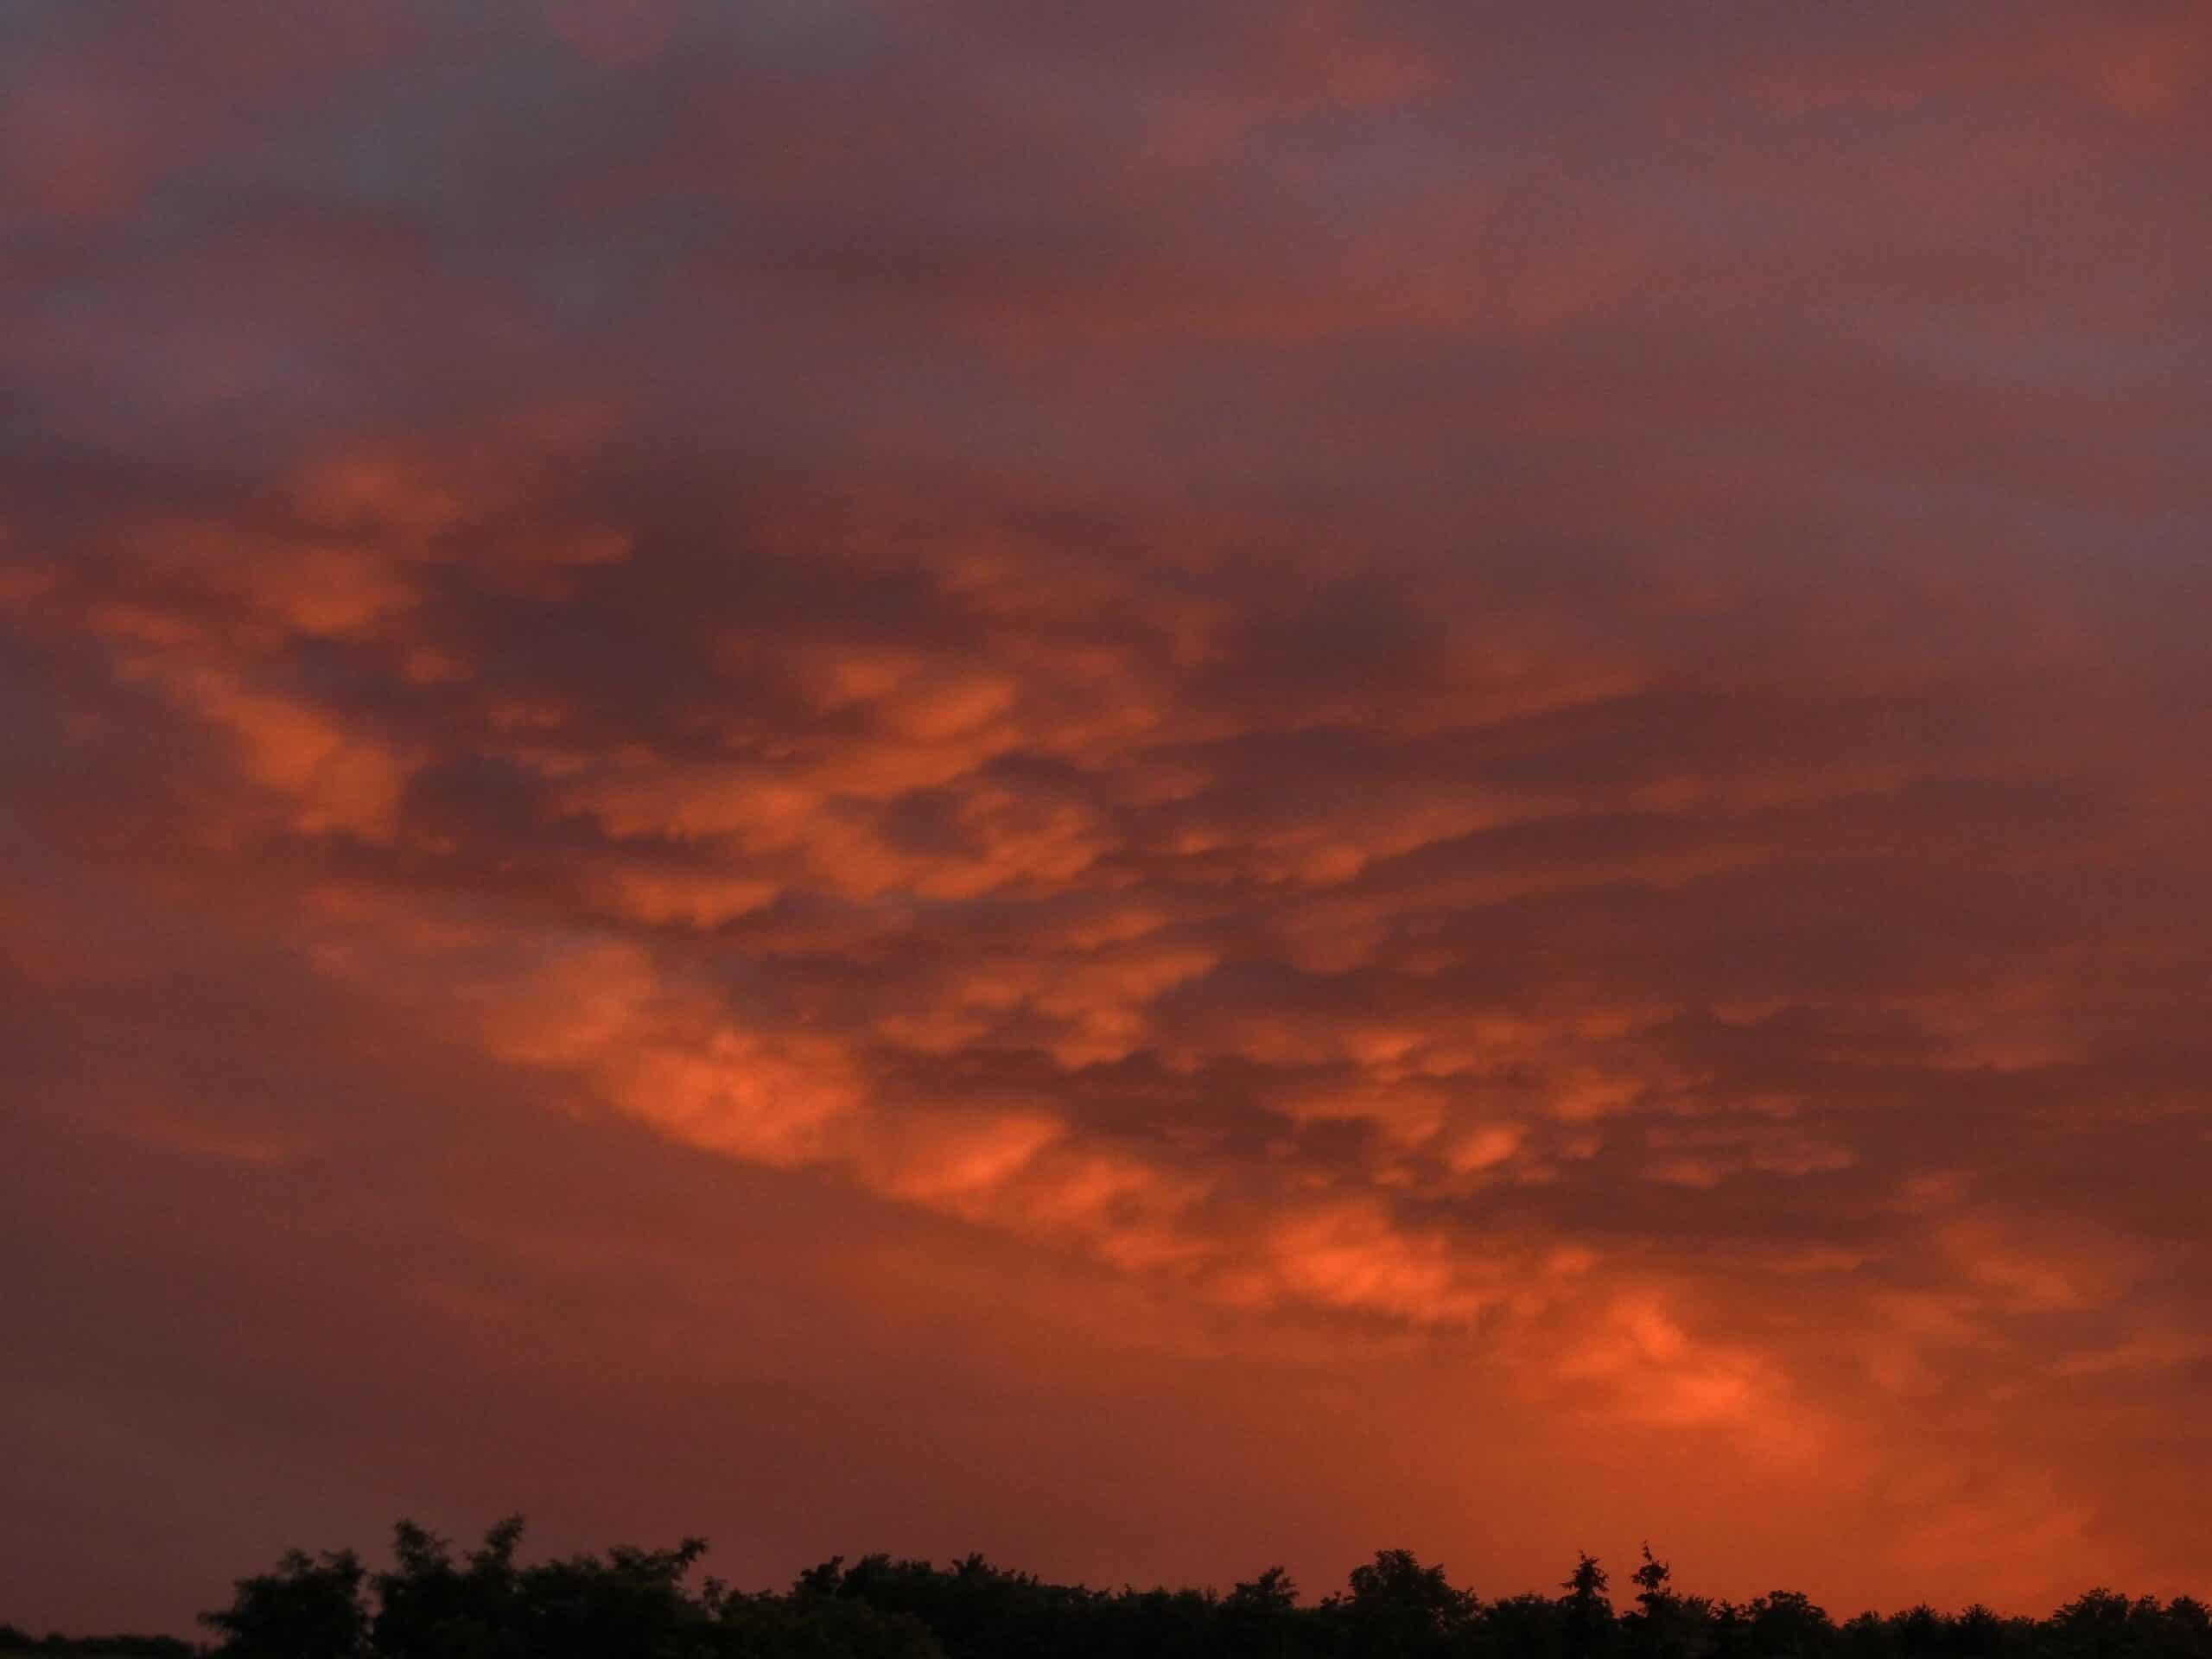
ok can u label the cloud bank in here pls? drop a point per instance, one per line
(1049, 779)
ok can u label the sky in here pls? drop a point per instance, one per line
(1159, 787)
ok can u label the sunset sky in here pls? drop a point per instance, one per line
(1154, 786)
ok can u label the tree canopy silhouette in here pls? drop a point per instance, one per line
(627, 1603)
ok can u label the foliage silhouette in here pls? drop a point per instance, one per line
(640, 1604)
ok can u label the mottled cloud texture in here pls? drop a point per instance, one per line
(1159, 786)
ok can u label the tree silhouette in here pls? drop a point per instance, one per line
(1397, 1606)
(309, 1608)
(1587, 1629)
(640, 1604)
(428, 1605)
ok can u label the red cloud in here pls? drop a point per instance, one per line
(1473, 732)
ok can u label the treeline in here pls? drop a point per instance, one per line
(14, 1642)
(637, 1603)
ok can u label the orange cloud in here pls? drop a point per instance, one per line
(1472, 743)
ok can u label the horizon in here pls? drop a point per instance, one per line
(1154, 787)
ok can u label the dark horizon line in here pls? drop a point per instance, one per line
(1655, 1617)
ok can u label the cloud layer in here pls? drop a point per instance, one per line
(1432, 772)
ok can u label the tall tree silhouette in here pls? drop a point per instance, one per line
(1587, 1629)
